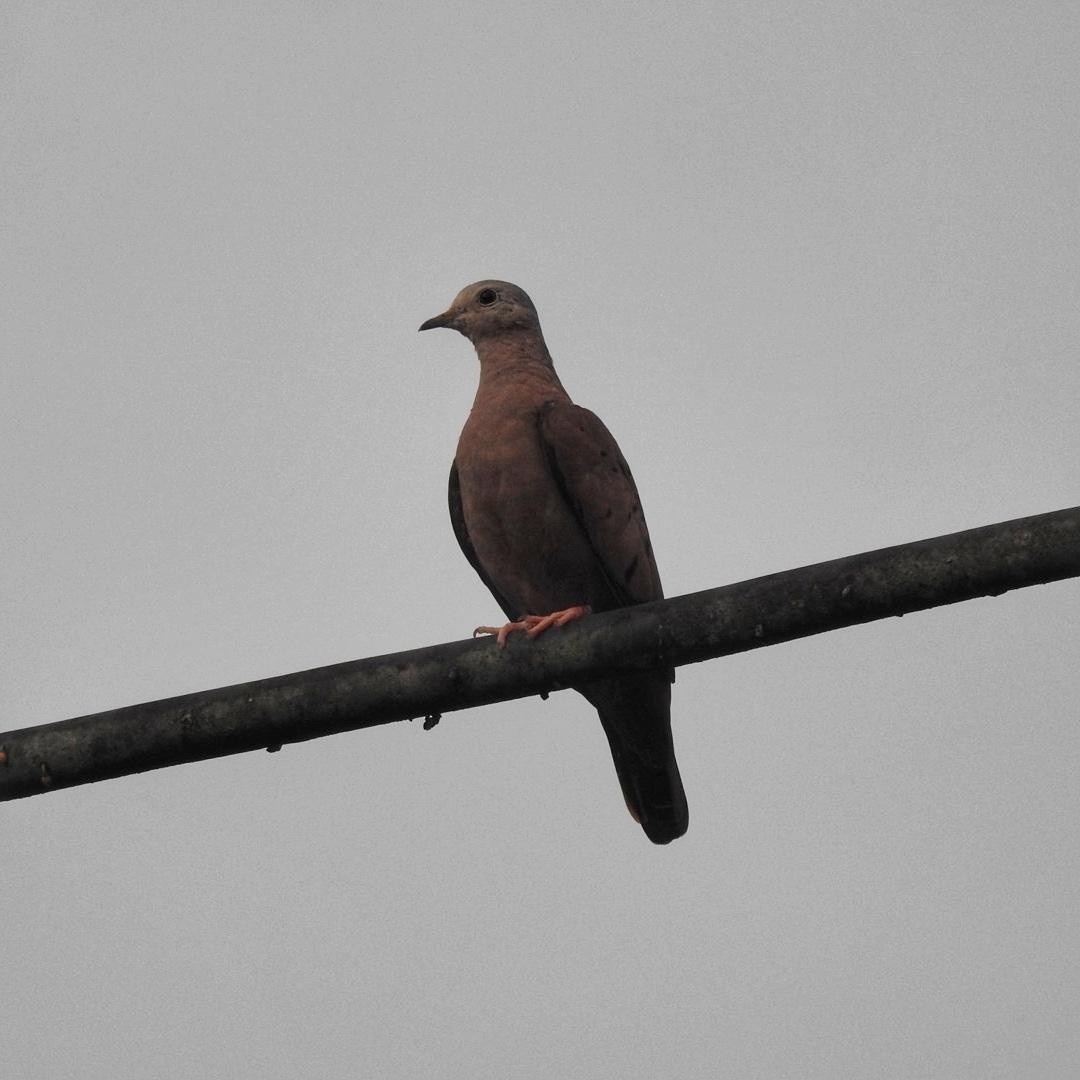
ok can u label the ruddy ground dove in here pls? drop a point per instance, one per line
(546, 511)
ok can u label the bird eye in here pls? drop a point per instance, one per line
(487, 296)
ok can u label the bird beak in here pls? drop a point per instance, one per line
(445, 319)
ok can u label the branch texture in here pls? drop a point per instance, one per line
(443, 678)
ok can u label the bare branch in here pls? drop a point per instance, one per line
(442, 678)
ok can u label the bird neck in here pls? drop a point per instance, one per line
(521, 357)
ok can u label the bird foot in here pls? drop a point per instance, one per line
(531, 625)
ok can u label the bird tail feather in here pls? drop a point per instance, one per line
(636, 715)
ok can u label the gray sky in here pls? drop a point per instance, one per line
(818, 268)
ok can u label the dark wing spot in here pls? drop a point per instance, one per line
(628, 573)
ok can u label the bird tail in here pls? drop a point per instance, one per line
(635, 712)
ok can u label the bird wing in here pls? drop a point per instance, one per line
(594, 479)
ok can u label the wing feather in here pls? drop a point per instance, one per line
(594, 479)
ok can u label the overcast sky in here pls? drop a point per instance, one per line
(817, 265)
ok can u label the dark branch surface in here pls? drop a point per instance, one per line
(443, 678)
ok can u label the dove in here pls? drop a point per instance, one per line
(545, 509)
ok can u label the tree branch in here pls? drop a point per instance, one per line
(428, 682)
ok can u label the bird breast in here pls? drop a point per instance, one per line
(525, 535)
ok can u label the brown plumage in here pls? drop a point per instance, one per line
(546, 511)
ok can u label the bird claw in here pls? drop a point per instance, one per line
(531, 625)
(500, 632)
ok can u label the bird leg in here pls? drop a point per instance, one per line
(531, 625)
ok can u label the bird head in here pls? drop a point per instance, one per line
(488, 309)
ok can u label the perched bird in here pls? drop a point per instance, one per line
(546, 511)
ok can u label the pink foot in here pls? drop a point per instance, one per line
(532, 625)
